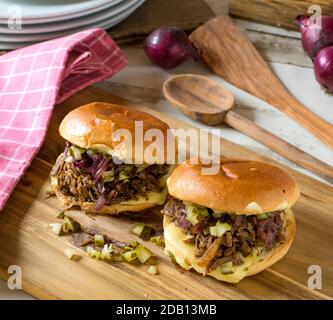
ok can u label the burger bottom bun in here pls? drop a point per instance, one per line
(89, 207)
(185, 257)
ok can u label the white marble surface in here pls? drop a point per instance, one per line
(300, 81)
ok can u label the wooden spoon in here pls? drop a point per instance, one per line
(209, 102)
(232, 56)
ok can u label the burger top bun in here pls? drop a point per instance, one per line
(240, 186)
(95, 126)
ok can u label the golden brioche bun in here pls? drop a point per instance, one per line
(185, 257)
(240, 187)
(93, 126)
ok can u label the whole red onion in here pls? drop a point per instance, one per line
(314, 38)
(323, 67)
(168, 47)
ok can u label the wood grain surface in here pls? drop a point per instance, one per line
(209, 102)
(26, 241)
(280, 13)
(239, 63)
(275, 44)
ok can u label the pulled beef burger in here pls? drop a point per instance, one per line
(232, 224)
(98, 173)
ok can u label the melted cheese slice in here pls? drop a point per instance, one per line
(185, 257)
(152, 197)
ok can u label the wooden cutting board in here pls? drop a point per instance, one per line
(26, 241)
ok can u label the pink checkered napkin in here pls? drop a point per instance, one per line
(33, 80)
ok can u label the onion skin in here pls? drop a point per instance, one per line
(314, 39)
(168, 47)
(323, 67)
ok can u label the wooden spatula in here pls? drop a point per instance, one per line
(209, 102)
(233, 57)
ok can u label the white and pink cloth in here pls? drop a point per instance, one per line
(36, 78)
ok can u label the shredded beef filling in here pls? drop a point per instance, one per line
(83, 179)
(247, 232)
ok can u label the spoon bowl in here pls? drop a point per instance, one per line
(199, 97)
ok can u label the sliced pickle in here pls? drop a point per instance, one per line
(130, 255)
(61, 215)
(70, 225)
(108, 176)
(143, 231)
(76, 152)
(91, 251)
(219, 229)
(195, 213)
(106, 253)
(143, 254)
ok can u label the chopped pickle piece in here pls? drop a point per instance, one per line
(56, 228)
(153, 270)
(71, 254)
(133, 244)
(129, 255)
(125, 172)
(106, 253)
(143, 254)
(219, 229)
(143, 231)
(97, 254)
(108, 176)
(137, 228)
(206, 232)
(158, 240)
(227, 268)
(99, 240)
(69, 159)
(195, 213)
(262, 216)
(61, 215)
(76, 152)
(123, 176)
(213, 231)
(128, 248)
(91, 251)
(70, 225)
(217, 215)
(91, 152)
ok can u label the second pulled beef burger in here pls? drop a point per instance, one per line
(232, 224)
(94, 173)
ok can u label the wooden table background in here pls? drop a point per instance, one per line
(280, 13)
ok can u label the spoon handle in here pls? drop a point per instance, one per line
(282, 147)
